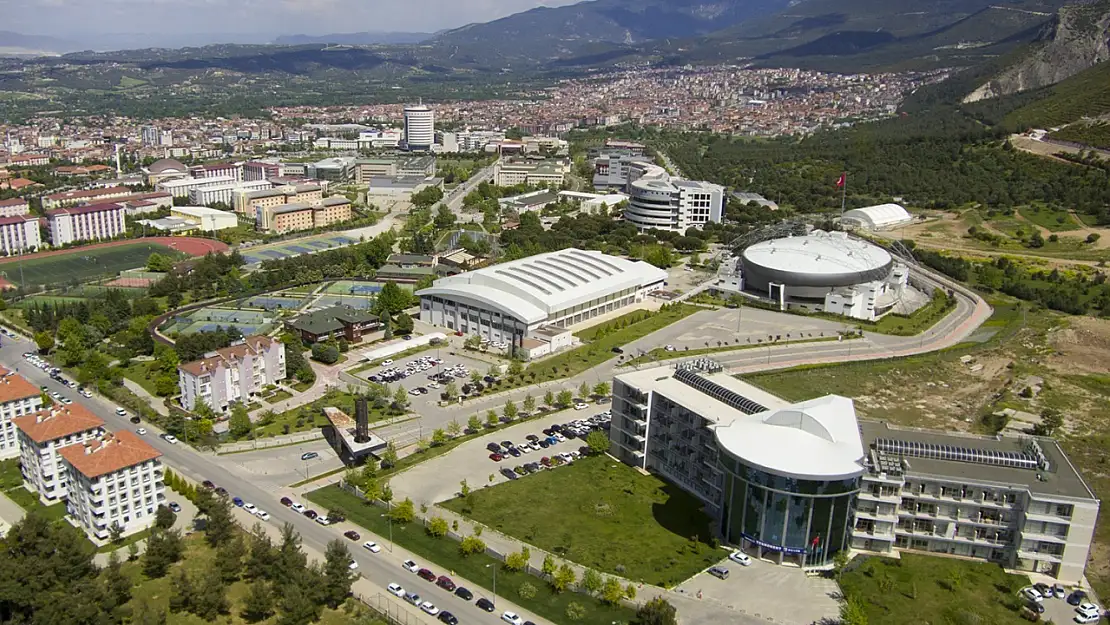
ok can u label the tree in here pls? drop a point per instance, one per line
(450, 391)
(575, 611)
(220, 527)
(403, 511)
(159, 263)
(115, 533)
(404, 324)
(548, 567)
(565, 398)
(164, 518)
(584, 390)
(437, 526)
(298, 606)
(209, 595)
(258, 604)
(526, 590)
(591, 581)
(337, 573)
(439, 437)
(391, 300)
(261, 556)
(852, 611)
(515, 369)
(181, 592)
(840, 561)
(516, 561)
(117, 586)
(598, 442)
(389, 456)
(444, 217)
(471, 545)
(564, 578)
(601, 389)
(474, 423)
(1051, 420)
(657, 611)
(1093, 237)
(510, 411)
(290, 560)
(325, 353)
(145, 612)
(454, 428)
(630, 592)
(163, 548)
(529, 404)
(491, 418)
(44, 341)
(401, 398)
(229, 559)
(549, 398)
(240, 422)
(464, 489)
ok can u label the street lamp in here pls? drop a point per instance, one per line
(495, 566)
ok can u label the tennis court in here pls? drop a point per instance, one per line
(271, 302)
(83, 264)
(356, 287)
(209, 319)
(297, 247)
(354, 301)
(246, 329)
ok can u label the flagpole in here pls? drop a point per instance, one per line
(843, 193)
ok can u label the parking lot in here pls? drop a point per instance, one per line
(278, 467)
(780, 593)
(438, 479)
(1063, 609)
(421, 402)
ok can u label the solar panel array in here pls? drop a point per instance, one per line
(718, 392)
(936, 451)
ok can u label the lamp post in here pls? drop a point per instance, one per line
(495, 566)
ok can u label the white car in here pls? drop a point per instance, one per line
(387, 362)
(353, 565)
(298, 508)
(372, 546)
(67, 401)
(1088, 609)
(740, 558)
(410, 566)
(578, 406)
(84, 393)
(250, 507)
(262, 514)
(323, 520)
(1031, 594)
(512, 617)
(121, 412)
(1087, 618)
(429, 607)
(141, 431)
(396, 590)
(171, 439)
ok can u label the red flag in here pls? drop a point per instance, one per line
(842, 180)
(816, 540)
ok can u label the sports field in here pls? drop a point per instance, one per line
(296, 247)
(208, 319)
(83, 264)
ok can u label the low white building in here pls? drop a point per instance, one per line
(19, 234)
(878, 217)
(231, 374)
(18, 397)
(226, 193)
(42, 435)
(14, 207)
(113, 480)
(180, 187)
(206, 219)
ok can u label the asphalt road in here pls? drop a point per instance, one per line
(381, 568)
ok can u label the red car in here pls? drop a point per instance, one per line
(445, 583)
(496, 457)
(427, 575)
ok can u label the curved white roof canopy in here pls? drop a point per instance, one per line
(532, 289)
(817, 439)
(817, 253)
(879, 216)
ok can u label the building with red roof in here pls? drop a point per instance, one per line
(42, 435)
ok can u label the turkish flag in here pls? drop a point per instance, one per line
(816, 540)
(842, 180)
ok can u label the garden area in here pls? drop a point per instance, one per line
(611, 518)
(528, 591)
(924, 590)
(311, 416)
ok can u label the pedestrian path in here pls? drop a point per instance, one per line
(156, 403)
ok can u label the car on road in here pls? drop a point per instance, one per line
(413, 598)
(323, 520)
(396, 590)
(448, 618)
(250, 507)
(285, 501)
(174, 506)
(512, 617)
(170, 438)
(262, 514)
(238, 501)
(426, 575)
(719, 572)
(84, 393)
(617, 350)
(462, 592)
(445, 583)
(353, 565)
(56, 395)
(141, 431)
(1031, 594)
(66, 401)
(740, 558)
(352, 535)
(410, 566)
(371, 546)
(208, 484)
(387, 362)
(296, 507)
(485, 604)
(309, 455)
(1058, 591)
(136, 419)
(429, 607)
(121, 412)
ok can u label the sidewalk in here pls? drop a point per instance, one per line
(276, 441)
(156, 403)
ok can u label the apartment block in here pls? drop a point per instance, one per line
(113, 480)
(84, 196)
(18, 397)
(42, 435)
(258, 170)
(543, 172)
(14, 207)
(91, 222)
(232, 374)
(226, 192)
(218, 170)
(795, 483)
(19, 234)
(247, 203)
(180, 187)
(295, 216)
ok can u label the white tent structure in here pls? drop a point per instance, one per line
(878, 217)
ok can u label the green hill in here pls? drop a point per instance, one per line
(1087, 94)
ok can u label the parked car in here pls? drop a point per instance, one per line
(352, 535)
(514, 452)
(141, 431)
(296, 507)
(170, 438)
(396, 590)
(508, 473)
(1031, 594)
(740, 558)
(512, 617)
(1077, 597)
(413, 598)
(1087, 618)
(496, 457)
(429, 607)
(309, 455)
(494, 447)
(448, 618)
(426, 575)
(445, 583)
(323, 520)
(285, 501)
(174, 506)
(250, 507)
(410, 566)
(718, 572)
(262, 514)
(311, 514)
(462, 592)
(1088, 609)
(485, 604)
(1058, 591)
(1044, 589)
(238, 501)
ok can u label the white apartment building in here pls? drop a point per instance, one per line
(19, 234)
(548, 172)
(226, 193)
(42, 435)
(113, 480)
(18, 397)
(92, 222)
(180, 187)
(674, 205)
(420, 127)
(232, 374)
(14, 207)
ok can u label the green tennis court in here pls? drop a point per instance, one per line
(81, 265)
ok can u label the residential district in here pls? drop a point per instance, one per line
(404, 342)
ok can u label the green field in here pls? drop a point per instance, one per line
(610, 518)
(81, 265)
(923, 590)
(1052, 219)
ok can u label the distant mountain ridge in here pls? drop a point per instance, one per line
(354, 39)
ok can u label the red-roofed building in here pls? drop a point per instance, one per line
(231, 374)
(13, 207)
(115, 479)
(89, 222)
(18, 184)
(28, 160)
(84, 196)
(18, 397)
(42, 435)
(81, 170)
(20, 233)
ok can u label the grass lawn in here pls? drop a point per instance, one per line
(924, 590)
(10, 477)
(30, 502)
(1051, 219)
(311, 416)
(139, 373)
(281, 395)
(478, 568)
(301, 387)
(80, 265)
(610, 518)
(126, 540)
(919, 320)
(198, 558)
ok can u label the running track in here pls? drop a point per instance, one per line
(192, 246)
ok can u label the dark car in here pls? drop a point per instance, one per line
(1035, 606)
(485, 604)
(544, 444)
(489, 379)
(1077, 597)
(136, 419)
(208, 484)
(353, 535)
(285, 501)
(532, 437)
(507, 444)
(309, 455)
(507, 472)
(220, 490)
(496, 457)
(463, 593)
(514, 452)
(238, 501)
(336, 517)
(545, 461)
(445, 583)
(617, 350)
(548, 432)
(426, 574)
(448, 618)
(311, 514)
(494, 447)
(1044, 589)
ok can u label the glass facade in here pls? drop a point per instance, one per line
(784, 518)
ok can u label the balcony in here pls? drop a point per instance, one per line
(890, 496)
(1038, 555)
(873, 533)
(1055, 538)
(1046, 516)
(876, 513)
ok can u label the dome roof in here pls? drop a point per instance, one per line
(167, 165)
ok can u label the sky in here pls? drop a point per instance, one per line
(255, 18)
